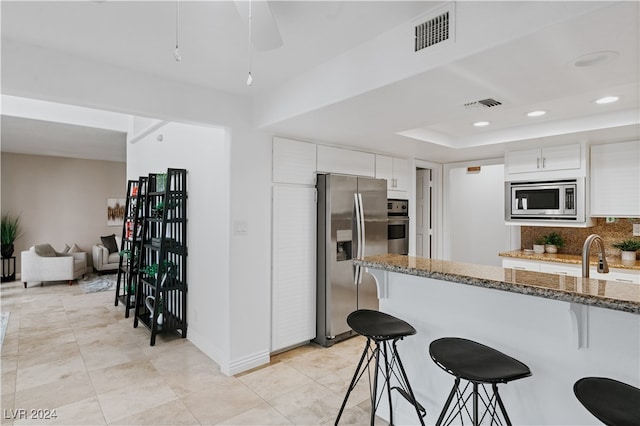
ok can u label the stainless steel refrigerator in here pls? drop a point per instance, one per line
(352, 223)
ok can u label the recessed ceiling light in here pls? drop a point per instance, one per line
(481, 123)
(607, 100)
(536, 113)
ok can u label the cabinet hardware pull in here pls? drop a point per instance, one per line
(538, 163)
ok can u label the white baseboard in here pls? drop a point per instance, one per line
(209, 350)
(226, 366)
(246, 363)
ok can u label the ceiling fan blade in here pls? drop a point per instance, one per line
(265, 34)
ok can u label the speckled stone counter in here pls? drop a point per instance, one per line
(614, 262)
(592, 292)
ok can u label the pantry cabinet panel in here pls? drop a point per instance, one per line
(293, 296)
(615, 179)
(294, 162)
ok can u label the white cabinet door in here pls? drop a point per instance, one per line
(294, 266)
(561, 269)
(294, 161)
(523, 161)
(401, 174)
(394, 170)
(564, 157)
(346, 161)
(524, 265)
(384, 169)
(615, 179)
(619, 275)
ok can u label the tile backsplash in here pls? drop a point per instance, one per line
(621, 229)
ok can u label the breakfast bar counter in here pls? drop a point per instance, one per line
(564, 328)
(587, 291)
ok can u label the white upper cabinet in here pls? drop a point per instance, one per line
(294, 162)
(548, 159)
(615, 179)
(401, 174)
(394, 170)
(345, 161)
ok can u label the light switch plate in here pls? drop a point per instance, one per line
(636, 229)
(240, 227)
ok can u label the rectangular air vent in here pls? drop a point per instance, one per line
(432, 32)
(484, 103)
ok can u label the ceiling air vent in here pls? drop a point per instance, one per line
(432, 32)
(484, 103)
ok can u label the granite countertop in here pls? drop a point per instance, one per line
(587, 291)
(613, 261)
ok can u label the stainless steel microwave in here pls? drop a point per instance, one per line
(557, 200)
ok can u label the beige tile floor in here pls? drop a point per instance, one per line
(75, 353)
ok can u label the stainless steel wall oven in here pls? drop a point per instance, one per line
(398, 226)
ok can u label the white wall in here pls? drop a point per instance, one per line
(60, 200)
(204, 152)
(475, 213)
(250, 253)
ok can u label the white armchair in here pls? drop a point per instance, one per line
(104, 261)
(42, 263)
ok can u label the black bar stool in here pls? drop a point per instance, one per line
(382, 332)
(612, 402)
(478, 365)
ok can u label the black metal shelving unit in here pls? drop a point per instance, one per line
(161, 292)
(130, 250)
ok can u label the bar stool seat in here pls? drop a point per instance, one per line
(478, 364)
(382, 332)
(612, 402)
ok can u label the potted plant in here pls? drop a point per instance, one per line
(628, 248)
(553, 242)
(10, 230)
(156, 211)
(538, 246)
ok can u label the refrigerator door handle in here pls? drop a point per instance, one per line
(363, 237)
(356, 202)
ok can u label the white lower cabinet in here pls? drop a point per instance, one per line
(571, 270)
(524, 265)
(561, 269)
(293, 310)
(619, 275)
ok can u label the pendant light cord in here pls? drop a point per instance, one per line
(250, 78)
(176, 53)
